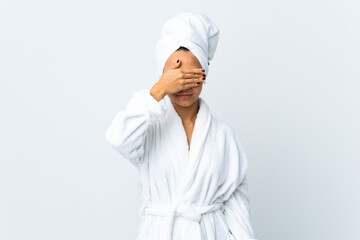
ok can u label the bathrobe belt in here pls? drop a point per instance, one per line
(180, 209)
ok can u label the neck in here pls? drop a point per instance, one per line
(188, 113)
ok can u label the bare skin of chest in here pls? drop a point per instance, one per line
(189, 127)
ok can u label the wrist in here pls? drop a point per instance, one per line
(157, 92)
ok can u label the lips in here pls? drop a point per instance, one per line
(184, 94)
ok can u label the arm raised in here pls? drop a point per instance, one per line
(128, 129)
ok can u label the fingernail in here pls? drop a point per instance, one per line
(177, 61)
(203, 70)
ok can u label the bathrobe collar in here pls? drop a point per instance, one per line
(188, 160)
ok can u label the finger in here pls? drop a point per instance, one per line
(193, 75)
(192, 85)
(193, 70)
(176, 64)
(193, 80)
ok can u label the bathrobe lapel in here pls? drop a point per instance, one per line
(187, 161)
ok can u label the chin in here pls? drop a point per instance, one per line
(185, 103)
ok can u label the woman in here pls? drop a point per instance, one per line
(192, 166)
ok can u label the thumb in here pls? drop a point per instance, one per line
(177, 64)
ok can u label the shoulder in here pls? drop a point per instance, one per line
(223, 127)
(228, 143)
(226, 134)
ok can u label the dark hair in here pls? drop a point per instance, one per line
(181, 48)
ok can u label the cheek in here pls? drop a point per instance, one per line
(197, 90)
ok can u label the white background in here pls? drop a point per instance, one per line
(285, 76)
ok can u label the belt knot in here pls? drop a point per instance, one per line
(178, 209)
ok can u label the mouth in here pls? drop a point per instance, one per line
(184, 96)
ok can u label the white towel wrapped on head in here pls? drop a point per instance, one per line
(192, 30)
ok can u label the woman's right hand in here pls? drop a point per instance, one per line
(176, 79)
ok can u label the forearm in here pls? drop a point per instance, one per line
(158, 92)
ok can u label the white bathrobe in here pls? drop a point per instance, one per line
(188, 194)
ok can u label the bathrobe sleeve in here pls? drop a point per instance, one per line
(236, 208)
(237, 213)
(127, 131)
